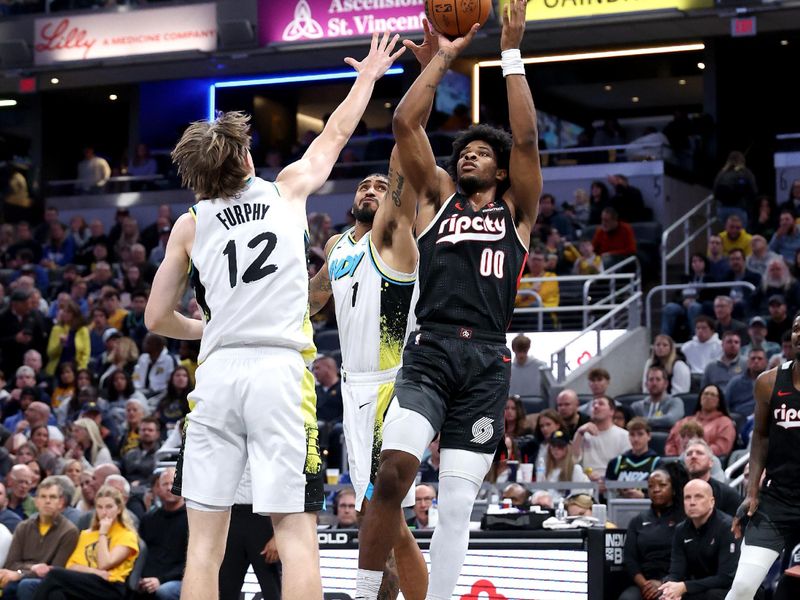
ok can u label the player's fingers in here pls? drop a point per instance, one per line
(398, 54)
(471, 33)
(392, 44)
(426, 28)
(384, 42)
(353, 63)
(374, 43)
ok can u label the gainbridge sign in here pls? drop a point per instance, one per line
(541, 10)
(282, 21)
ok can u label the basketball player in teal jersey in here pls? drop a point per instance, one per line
(370, 271)
(245, 242)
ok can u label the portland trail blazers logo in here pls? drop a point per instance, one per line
(303, 26)
(482, 430)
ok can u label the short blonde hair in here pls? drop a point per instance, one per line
(210, 156)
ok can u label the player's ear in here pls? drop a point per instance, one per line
(502, 174)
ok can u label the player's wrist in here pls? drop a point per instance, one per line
(511, 62)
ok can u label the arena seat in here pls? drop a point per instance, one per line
(689, 402)
(658, 442)
(628, 399)
(138, 567)
(534, 404)
(622, 510)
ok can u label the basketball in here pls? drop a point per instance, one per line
(454, 18)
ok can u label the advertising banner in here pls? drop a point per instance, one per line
(540, 10)
(309, 20)
(85, 37)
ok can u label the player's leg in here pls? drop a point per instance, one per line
(296, 537)
(411, 567)
(754, 564)
(234, 566)
(460, 476)
(208, 530)
(406, 434)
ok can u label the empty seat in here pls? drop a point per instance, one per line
(658, 441)
(628, 399)
(533, 404)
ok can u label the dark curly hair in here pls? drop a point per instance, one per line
(498, 139)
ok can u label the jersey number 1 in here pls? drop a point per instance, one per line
(257, 269)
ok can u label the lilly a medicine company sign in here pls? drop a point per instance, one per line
(309, 20)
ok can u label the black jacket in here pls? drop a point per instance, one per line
(726, 499)
(166, 534)
(649, 543)
(704, 558)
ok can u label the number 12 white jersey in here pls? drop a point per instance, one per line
(249, 272)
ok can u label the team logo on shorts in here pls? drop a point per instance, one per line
(482, 430)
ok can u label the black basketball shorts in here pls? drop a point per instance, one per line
(776, 523)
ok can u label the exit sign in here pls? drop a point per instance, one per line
(743, 27)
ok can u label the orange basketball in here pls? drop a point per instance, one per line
(454, 18)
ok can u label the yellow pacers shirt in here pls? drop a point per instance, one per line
(85, 552)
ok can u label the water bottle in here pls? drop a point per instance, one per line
(540, 469)
(561, 512)
(433, 514)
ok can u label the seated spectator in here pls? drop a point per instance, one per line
(598, 381)
(598, 441)
(660, 409)
(120, 393)
(637, 463)
(518, 430)
(133, 324)
(19, 482)
(175, 403)
(547, 422)
(423, 500)
(560, 464)
(627, 200)
(698, 461)
(60, 249)
(764, 218)
(740, 390)
(329, 390)
(542, 499)
(100, 574)
(779, 321)
(7, 517)
(712, 414)
(69, 339)
(113, 307)
(665, 355)
(68, 490)
(65, 385)
(705, 347)
(429, 467)
(166, 533)
(760, 255)
(547, 291)
(614, 239)
(723, 313)
(689, 301)
(40, 543)
(717, 259)
(742, 297)
(777, 281)
(704, 552)
(567, 403)
(526, 377)
(588, 262)
(786, 240)
(734, 237)
(123, 357)
(726, 367)
(344, 509)
(580, 505)
(138, 464)
(518, 494)
(757, 332)
(648, 544)
(89, 445)
(622, 416)
(135, 411)
(154, 367)
(142, 163)
(550, 216)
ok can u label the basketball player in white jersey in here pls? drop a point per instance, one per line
(244, 248)
(370, 271)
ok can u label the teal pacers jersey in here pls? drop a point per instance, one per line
(373, 303)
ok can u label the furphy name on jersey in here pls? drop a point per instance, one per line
(481, 228)
(242, 213)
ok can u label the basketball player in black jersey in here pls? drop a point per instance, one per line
(473, 236)
(774, 511)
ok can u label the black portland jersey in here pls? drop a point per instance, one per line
(783, 463)
(470, 263)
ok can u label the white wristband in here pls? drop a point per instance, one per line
(511, 61)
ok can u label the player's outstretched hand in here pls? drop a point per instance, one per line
(746, 510)
(513, 24)
(452, 48)
(425, 51)
(380, 57)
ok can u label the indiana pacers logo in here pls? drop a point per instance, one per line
(303, 25)
(482, 430)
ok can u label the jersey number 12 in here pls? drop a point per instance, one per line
(257, 269)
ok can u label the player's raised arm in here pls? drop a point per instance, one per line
(408, 124)
(525, 173)
(307, 175)
(319, 286)
(169, 284)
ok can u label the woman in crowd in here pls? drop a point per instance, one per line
(600, 199)
(69, 339)
(69, 411)
(102, 559)
(688, 303)
(764, 221)
(87, 491)
(25, 453)
(712, 414)
(516, 428)
(65, 385)
(135, 411)
(73, 469)
(579, 504)
(560, 465)
(89, 444)
(120, 392)
(622, 415)
(665, 354)
(548, 422)
(40, 437)
(175, 404)
(648, 545)
(123, 357)
(84, 378)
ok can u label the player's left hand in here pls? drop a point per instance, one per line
(672, 590)
(425, 51)
(380, 57)
(513, 24)
(270, 551)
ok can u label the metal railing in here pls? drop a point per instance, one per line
(683, 224)
(611, 274)
(631, 307)
(648, 310)
(738, 481)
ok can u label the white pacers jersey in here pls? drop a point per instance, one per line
(373, 304)
(249, 272)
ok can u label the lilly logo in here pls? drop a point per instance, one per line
(483, 590)
(303, 25)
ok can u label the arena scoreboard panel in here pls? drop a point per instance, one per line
(500, 565)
